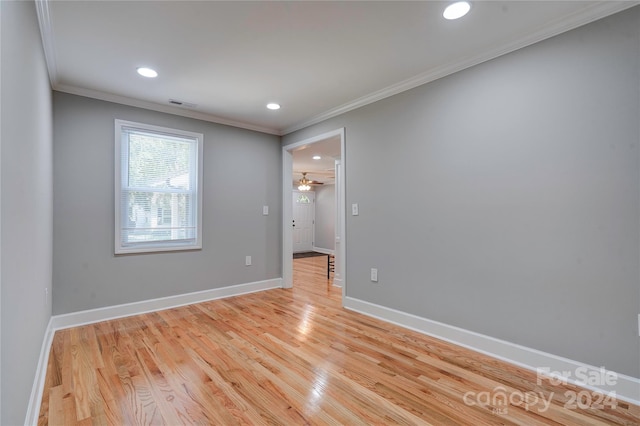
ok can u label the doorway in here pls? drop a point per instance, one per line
(287, 208)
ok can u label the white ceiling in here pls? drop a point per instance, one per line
(317, 59)
(322, 170)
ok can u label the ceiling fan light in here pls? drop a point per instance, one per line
(304, 183)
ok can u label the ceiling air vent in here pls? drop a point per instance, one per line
(182, 104)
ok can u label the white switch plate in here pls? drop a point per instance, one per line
(374, 275)
(638, 324)
(354, 209)
(247, 261)
(265, 210)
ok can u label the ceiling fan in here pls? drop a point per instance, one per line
(304, 184)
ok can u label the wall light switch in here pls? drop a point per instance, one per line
(374, 275)
(265, 210)
(247, 261)
(354, 209)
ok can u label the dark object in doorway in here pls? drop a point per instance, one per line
(307, 254)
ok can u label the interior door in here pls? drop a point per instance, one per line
(303, 219)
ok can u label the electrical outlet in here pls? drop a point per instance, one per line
(354, 209)
(374, 275)
(265, 210)
(247, 261)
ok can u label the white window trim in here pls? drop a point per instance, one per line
(162, 246)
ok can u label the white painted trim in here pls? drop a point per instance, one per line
(33, 409)
(287, 207)
(303, 143)
(287, 218)
(597, 11)
(122, 127)
(322, 250)
(46, 34)
(627, 388)
(75, 319)
(341, 234)
(125, 100)
(90, 316)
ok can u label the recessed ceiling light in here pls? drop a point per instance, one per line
(273, 106)
(316, 157)
(456, 10)
(147, 72)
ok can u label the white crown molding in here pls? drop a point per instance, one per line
(597, 11)
(46, 34)
(626, 388)
(124, 100)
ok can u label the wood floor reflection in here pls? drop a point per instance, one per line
(288, 357)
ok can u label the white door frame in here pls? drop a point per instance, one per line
(287, 208)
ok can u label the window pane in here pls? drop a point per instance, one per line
(157, 197)
(158, 162)
(157, 216)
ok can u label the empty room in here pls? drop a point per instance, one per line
(320, 212)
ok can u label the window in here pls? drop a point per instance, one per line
(158, 191)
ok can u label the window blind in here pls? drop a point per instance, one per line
(158, 191)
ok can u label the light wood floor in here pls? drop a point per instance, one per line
(289, 357)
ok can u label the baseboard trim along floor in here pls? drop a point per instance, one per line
(625, 388)
(75, 319)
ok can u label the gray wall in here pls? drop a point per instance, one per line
(325, 235)
(242, 172)
(509, 201)
(25, 214)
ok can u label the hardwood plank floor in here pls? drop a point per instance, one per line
(289, 357)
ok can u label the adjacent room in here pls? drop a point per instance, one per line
(292, 212)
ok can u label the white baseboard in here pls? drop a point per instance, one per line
(33, 409)
(322, 250)
(74, 319)
(626, 388)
